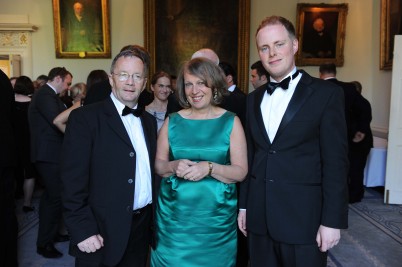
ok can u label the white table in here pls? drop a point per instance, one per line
(374, 172)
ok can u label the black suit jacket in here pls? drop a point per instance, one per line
(98, 170)
(236, 103)
(356, 113)
(299, 181)
(46, 138)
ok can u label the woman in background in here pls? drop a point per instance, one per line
(78, 92)
(23, 88)
(161, 88)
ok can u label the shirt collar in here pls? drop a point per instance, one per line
(51, 86)
(119, 106)
(231, 88)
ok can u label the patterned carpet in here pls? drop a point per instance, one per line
(374, 237)
(27, 221)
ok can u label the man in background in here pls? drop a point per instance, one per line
(235, 101)
(357, 119)
(259, 75)
(46, 141)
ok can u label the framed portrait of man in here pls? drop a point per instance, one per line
(81, 28)
(321, 33)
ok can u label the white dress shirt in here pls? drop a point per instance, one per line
(273, 106)
(143, 189)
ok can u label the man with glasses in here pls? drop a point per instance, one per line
(107, 170)
(46, 141)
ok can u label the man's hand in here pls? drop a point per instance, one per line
(241, 221)
(359, 136)
(91, 244)
(327, 238)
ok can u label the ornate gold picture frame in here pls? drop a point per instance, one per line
(175, 29)
(321, 30)
(391, 24)
(81, 28)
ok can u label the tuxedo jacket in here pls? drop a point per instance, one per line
(98, 177)
(236, 103)
(298, 181)
(46, 138)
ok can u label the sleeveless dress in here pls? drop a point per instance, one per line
(196, 221)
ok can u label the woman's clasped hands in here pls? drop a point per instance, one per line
(190, 170)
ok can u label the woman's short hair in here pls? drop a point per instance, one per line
(24, 86)
(210, 73)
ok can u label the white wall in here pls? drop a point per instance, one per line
(362, 43)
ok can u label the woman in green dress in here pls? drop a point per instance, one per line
(201, 154)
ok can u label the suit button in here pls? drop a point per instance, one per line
(270, 180)
(130, 181)
(131, 154)
(272, 152)
(129, 209)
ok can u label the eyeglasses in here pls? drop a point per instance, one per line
(124, 76)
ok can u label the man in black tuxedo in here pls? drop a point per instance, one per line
(46, 141)
(8, 220)
(295, 194)
(235, 101)
(107, 170)
(358, 118)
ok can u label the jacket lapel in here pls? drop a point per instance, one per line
(301, 94)
(259, 94)
(115, 122)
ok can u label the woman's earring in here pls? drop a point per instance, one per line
(215, 94)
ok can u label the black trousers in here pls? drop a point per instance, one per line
(50, 208)
(266, 252)
(358, 157)
(8, 219)
(136, 253)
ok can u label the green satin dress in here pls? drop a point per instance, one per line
(196, 221)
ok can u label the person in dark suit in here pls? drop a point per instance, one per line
(107, 170)
(358, 118)
(8, 220)
(46, 141)
(235, 101)
(295, 194)
(259, 74)
(359, 151)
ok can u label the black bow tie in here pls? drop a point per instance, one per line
(136, 112)
(284, 84)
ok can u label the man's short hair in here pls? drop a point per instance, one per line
(328, 68)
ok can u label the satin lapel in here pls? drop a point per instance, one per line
(301, 94)
(146, 126)
(257, 111)
(115, 122)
